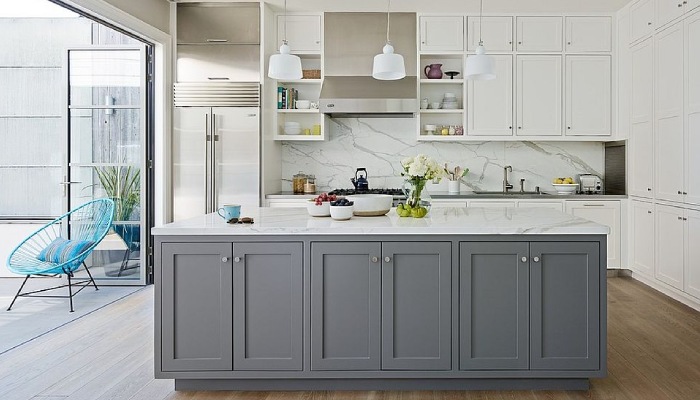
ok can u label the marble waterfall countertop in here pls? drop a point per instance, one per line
(440, 221)
(471, 195)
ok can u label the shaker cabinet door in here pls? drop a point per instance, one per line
(539, 95)
(669, 245)
(441, 33)
(496, 32)
(588, 34)
(493, 305)
(642, 19)
(588, 95)
(303, 32)
(197, 320)
(416, 306)
(267, 286)
(564, 306)
(539, 34)
(345, 306)
(490, 102)
(642, 237)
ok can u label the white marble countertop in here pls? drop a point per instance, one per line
(471, 196)
(440, 221)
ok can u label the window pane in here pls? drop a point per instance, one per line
(28, 192)
(105, 77)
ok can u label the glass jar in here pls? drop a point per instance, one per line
(310, 185)
(298, 182)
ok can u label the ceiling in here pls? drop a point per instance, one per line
(454, 6)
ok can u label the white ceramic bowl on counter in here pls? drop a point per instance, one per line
(565, 188)
(341, 213)
(324, 210)
(371, 205)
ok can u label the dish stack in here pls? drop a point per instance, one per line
(292, 128)
(449, 102)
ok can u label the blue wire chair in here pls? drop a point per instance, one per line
(90, 222)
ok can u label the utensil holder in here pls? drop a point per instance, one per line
(453, 186)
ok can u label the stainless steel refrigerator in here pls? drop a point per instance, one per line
(216, 157)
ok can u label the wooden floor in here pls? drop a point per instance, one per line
(653, 353)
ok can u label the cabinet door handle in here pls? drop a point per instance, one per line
(568, 43)
(520, 42)
(510, 42)
(648, 189)
(237, 259)
(375, 259)
(520, 127)
(685, 219)
(217, 40)
(685, 192)
(568, 127)
(680, 218)
(680, 192)
(594, 205)
(649, 23)
(224, 259)
(680, 5)
(523, 259)
(387, 259)
(536, 259)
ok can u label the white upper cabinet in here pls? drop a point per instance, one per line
(588, 34)
(490, 103)
(642, 24)
(668, 10)
(641, 174)
(218, 23)
(668, 102)
(303, 33)
(497, 33)
(588, 95)
(539, 34)
(692, 109)
(642, 91)
(623, 75)
(441, 33)
(691, 5)
(539, 95)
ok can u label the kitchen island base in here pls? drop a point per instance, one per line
(379, 384)
(494, 299)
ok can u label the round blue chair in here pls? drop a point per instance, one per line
(47, 253)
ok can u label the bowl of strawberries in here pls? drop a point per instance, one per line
(320, 206)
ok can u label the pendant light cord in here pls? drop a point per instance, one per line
(388, 22)
(481, 17)
(285, 22)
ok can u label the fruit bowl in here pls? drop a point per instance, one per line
(565, 188)
(324, 210)
(371, 205)
(341, 213)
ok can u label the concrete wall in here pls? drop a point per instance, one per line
(152, 12)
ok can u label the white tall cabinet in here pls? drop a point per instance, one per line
(692, 109)
(641, 175)
(669, 245)
(692, 253)
(642, 237)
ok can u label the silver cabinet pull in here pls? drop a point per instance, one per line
(594, 205)
(680, 192)
(680, 218)
(237, 259)
(224, 259)
(217, 78)
(217, 40)
(523, 259)
(387, 259)
(648, 189)
(649, 23)
(680, 5)
(536, 259)
(685, 192)
(375, 259)
(685, 219)
(648, 212)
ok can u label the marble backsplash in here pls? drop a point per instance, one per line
(379, 144)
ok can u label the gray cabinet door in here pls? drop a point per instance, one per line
(345, 308)
(493, 305)
(196, 307)
(564, 306)
(416, 305)
(267, 306)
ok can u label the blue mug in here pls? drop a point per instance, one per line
(230, 211)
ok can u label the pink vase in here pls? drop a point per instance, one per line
(433, 71)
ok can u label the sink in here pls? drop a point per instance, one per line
(500, 193)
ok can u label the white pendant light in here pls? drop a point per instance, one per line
(480, 66)
(284, 66)
(388, 66)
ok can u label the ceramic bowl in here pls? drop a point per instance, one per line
(565, 188)
(324, 210)
(303, 104)
(341, 213)
(371, 205)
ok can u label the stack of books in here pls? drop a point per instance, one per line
(286, 98)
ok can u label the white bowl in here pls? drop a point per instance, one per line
(292, 131)
(449, 95)
(371, 205)
(341, 213)
(324, 210)
(565, 188)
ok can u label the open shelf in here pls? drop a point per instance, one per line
(442, 81)
(441, 111)
(297, 81)
(298, 111)
(300, 138)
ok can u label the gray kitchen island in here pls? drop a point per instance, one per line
(466, 298)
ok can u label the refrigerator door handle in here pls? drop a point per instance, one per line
(207, 200)
(214, 138)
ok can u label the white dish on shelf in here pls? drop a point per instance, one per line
(303, 104)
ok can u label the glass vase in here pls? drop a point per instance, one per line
(417, 196)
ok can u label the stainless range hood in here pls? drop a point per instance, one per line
(351, 40)
(368, 97)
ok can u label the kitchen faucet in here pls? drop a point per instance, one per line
(506, 186)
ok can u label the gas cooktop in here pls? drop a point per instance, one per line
(348, 192)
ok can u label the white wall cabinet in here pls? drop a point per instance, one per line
(641, 174)
(642, 24)
(668, 131)
(303, 33)
(669, 245)
(692, 109)
(490, 103)
(642, 237)
(536, 34)
(588, 34)
(539, 95)
(588, 95)
(668, 10)
(497, 33)
(604, 212)
(441, 33)
(624, 78)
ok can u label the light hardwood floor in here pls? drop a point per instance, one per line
(653, 353)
